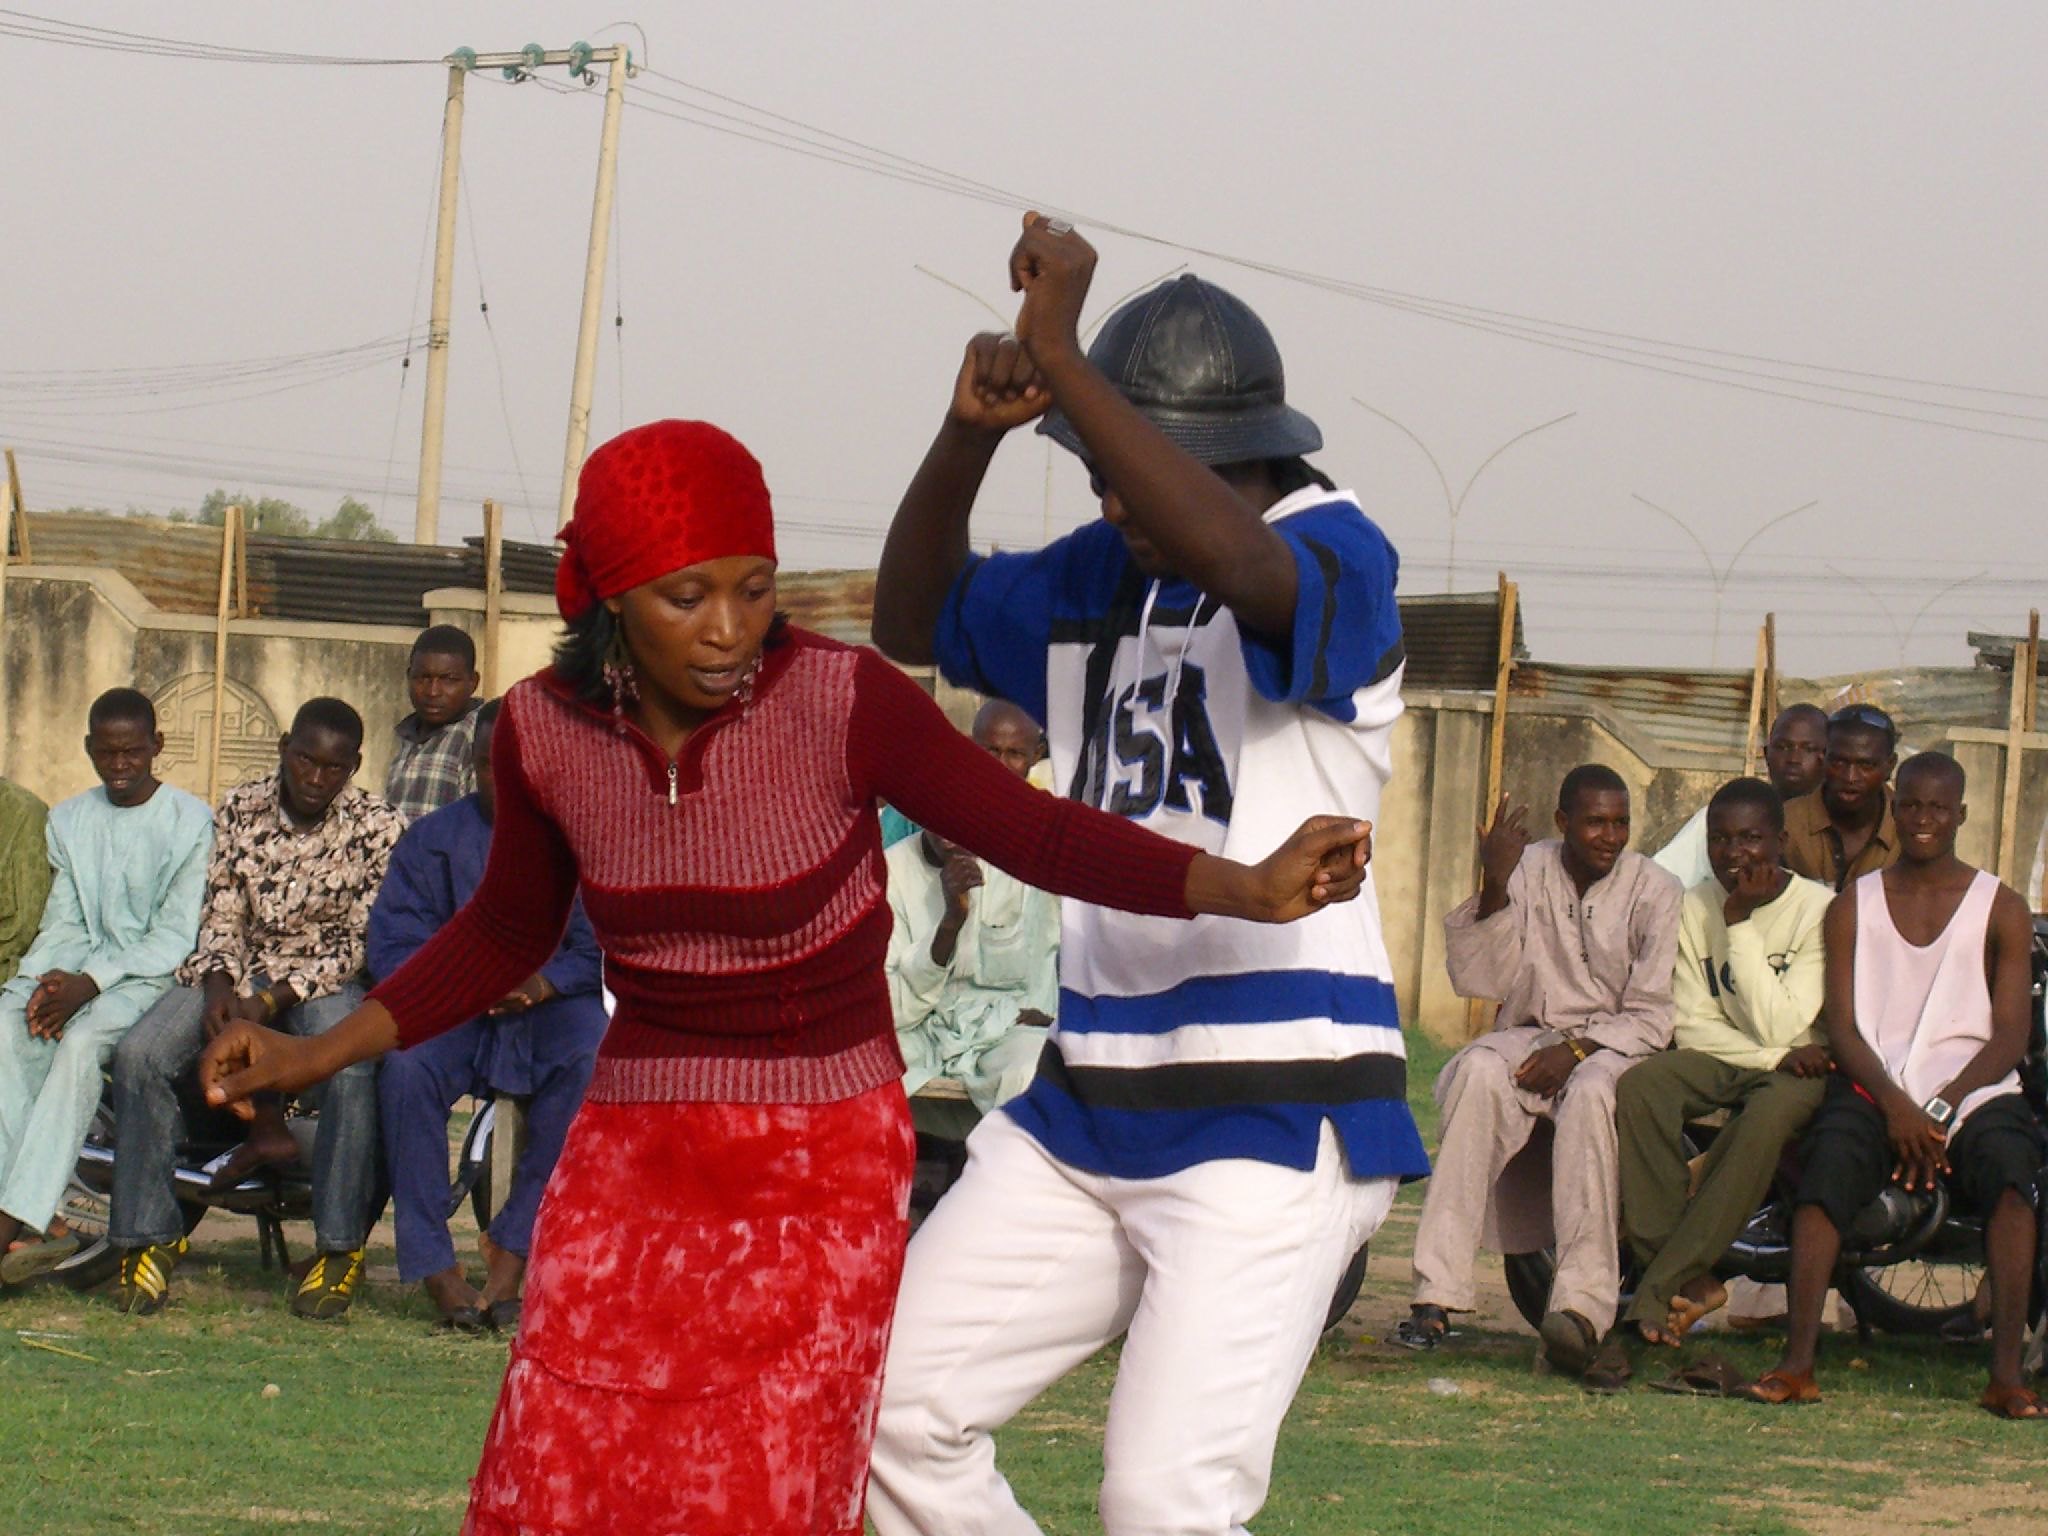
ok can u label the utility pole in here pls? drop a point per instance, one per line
(517, 66)
(426, 523)
(593, 279)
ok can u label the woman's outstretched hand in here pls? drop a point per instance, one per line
(246, 1059)
(1322, 864)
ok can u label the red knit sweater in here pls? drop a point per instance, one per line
(738, 891)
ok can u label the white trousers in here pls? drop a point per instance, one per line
(1219, 1276)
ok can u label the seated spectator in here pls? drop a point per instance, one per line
(1847, 829)
(974, 955)
(1576, 936)
(1795, 756)
(24, 874)
(540, 1043)
(1927, 1009)
(1747, 996)
(297, 859)
(130, 871)
(432, 765)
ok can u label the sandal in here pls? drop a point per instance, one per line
(1610, 1371)
(27, 1261)
(464, 1320)
(2013, 1402)
(1424, 1328)
(1778, 1389)
(1708, 1376)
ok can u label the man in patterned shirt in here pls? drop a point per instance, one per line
(297, 862)
(432, 765)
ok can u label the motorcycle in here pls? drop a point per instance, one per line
(271, 1197)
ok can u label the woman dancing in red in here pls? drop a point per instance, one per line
(716, 1259)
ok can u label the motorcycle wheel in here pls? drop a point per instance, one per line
(1348, 1287)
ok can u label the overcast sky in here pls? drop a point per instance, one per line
(1830, 201)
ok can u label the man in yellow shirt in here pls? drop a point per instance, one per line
(1747, 994)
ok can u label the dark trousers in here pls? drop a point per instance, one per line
(1678, 1239)
(418, 1088)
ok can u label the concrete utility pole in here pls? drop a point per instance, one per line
(519, 65)
(426, 523)
(593, 280)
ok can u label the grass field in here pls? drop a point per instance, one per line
(164, 1426)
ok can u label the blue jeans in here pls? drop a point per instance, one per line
(160, 1053)
(418, 1087)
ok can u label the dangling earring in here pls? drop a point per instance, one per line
(745, 692)
(620, 678)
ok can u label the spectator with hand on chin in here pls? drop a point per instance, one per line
(130, 872)
(1751, 968)
(974, 953)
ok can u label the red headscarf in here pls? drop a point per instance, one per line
(658, 498)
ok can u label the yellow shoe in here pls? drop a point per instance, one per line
(145, 1284)
(329, 1286)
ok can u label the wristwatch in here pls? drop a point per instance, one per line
(1940, 1111)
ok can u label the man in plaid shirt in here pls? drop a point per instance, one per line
(432, 766)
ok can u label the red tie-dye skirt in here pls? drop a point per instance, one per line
(707, 1313)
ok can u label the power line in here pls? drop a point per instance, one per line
(1675, 359)
(49, 29)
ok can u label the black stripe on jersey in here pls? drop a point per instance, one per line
(1326, 562)
(1228, 1084)
(1390, 662)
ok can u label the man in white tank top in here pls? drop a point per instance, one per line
(1927, 1016)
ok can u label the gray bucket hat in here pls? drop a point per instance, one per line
(1204, 370)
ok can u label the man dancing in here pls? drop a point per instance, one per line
(1219, 1120)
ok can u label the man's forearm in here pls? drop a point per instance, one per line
(927, 544)
(1203, 529)
(1854, 1057)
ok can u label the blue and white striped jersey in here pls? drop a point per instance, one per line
(1181, 1043)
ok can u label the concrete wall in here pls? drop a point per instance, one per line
(71, 632)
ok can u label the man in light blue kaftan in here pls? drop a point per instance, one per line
(129, 864)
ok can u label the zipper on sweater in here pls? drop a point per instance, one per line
(671, 783)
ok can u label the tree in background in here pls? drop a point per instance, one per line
(351, 520)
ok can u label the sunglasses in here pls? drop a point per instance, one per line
(1868, 716)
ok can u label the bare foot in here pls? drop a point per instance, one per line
(507, 1274)
(1695, 1299)
(270, 1145)
(1651, 1334)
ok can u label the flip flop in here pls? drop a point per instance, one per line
(2013, 1402)
(33, 1259)
(503, 1316)
(1610, 1371)
(1777, 1389)
(1708, 1376)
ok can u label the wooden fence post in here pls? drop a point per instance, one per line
(1497, 739)
(2019, 724)
(230, 547)
(494, 592)
(17, 510)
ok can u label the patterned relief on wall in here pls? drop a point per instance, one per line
(248, 738)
